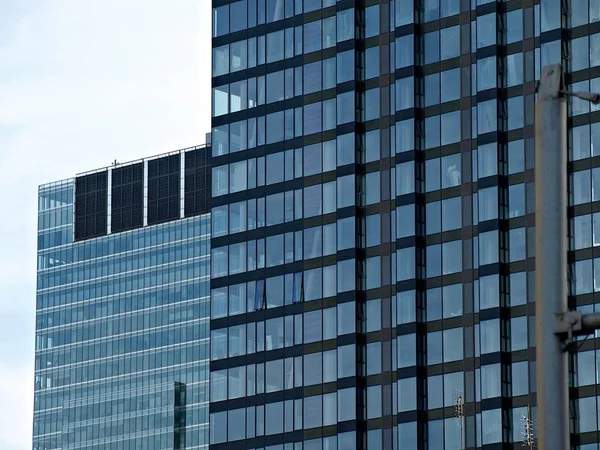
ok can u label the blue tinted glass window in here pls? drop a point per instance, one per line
(275, 86)
(275, 46)
(581, 187)
(434, 304)
(404, 12)
(434, 348)
(345, 107)
(516, 157)
(489, 291)
(372, 188)
(450, 127)
(582, 231)
(486, 73)
(450, 42)
(275, 127)
(371, 104)
(514, 69)
(239, 16)
(489, 336)
(488, 203)
(451, 170)
(432, 218)
(312, 118)
(345, 66)
(579, 53)
(310, 5)
(432, 89)
(450, 85)
(405, 132)
(432, 132)
(372, 21)
(486, 30)
(452, 300)
(584, 277)
(514, 26)
(372, 146)
(520, 378)
(373, 225)
(449, 8)
(431, 42)
(220, 21)
(516, 200)
(488, 247)
(594, 49)
(405, 265)
(275, 10)
(405, 93)
(220, 60)
(515, 112)
(405, 178)
(371, 62)
(405, 227)
(487, 117)
(329, 35)
(432, 175)
(550, 14)
(345, 25)
(580, 142)
(329, 73)
(434, 261)
(518, 288)
(346, 274)
(312, 36)
(238, 56)
(432, 10)
(451, 214)
(405, 51)
(451, 257)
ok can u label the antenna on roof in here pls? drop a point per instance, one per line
(459, 414)
(527, 433)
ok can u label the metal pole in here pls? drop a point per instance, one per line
(551, 259)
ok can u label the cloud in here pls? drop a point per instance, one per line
(82, 83)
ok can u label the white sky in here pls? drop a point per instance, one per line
(82, 82)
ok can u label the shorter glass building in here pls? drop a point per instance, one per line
(121, 359)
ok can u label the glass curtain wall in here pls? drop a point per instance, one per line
(122, 328)
(373, 219)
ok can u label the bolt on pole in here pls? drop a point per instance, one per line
(551, 259)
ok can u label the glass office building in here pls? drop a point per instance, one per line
(373, 220)
(122, 323)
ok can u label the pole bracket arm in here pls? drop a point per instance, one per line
(566, 325)
(573, 323)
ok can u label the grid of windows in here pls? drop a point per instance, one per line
(391, 160)
(122, 332)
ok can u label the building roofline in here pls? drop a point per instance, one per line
(56, 183)
(139, 160)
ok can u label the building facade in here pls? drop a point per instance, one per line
(373, 222)
(122, 320)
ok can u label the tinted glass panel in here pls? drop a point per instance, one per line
(197, 182)
(164, 179)
(127, 197)
(90, 205)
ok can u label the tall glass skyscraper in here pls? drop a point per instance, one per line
(373, 220)
(122, 323)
